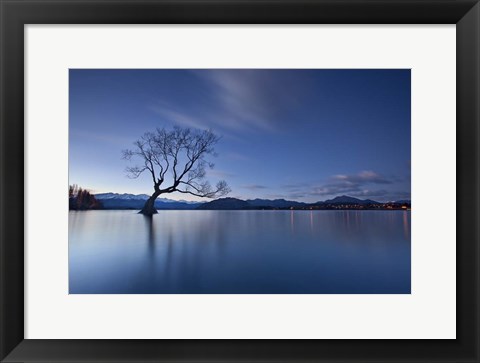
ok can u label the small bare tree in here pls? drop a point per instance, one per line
(175, 158)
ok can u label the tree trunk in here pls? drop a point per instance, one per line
(149, 207)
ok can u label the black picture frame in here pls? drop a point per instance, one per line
(17, 13)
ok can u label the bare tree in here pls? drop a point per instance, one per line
(175, 158)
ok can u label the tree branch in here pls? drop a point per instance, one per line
(165, 150)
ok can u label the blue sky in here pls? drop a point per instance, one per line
(305, 135)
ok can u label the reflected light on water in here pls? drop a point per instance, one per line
(311, 221)
(406, 225)
(292, 223)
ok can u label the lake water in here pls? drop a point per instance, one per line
(239, 252)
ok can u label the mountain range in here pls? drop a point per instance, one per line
(136, 201)
(349, 200)
(132, 201)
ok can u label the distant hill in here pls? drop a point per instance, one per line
(123, 196)
(276, 203)
(136, 201)
(225, 203)
(346, 200)
(234, 203)
(403, 201)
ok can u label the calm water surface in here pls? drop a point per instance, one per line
(239, 252)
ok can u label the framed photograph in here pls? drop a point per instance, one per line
(262, 219)
(239, 181)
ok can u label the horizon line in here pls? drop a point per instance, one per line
(269, 199)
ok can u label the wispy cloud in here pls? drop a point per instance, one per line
(352, 184)
(297, 195)
(233, 101)
(220, 174)
(99, 137)
(254, 187)
(363, 177)
(274, 196)
(296, 187)
(237, 92)
(364, 184)
(176, 117)
(246, 99)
